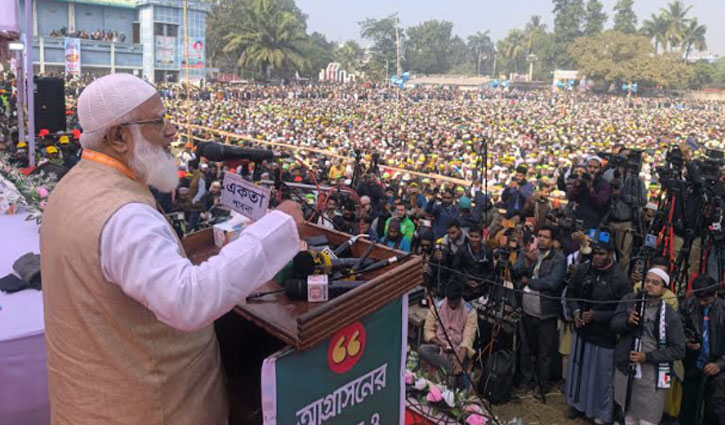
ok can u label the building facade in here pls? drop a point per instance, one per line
(143, 37)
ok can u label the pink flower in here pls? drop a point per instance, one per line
(434, 394)
(42, 192)
(409, 377)
(41, 205)
(476, 419)
(473, 408)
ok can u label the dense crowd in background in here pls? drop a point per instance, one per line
(99, 35)
(563, 206)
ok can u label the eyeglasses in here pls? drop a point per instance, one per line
(158, 121)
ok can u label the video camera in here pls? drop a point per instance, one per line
(710, 169)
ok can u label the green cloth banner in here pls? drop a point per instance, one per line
(355, 377)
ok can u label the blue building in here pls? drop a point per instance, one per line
(143, 37)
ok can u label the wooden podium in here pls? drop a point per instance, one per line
(301, 324)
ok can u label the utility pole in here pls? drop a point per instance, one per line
(397, 45)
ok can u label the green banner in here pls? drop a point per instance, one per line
(355, 377)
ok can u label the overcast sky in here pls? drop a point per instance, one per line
(338, 19)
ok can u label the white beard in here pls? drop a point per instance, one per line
(152, 164)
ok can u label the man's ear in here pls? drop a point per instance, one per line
(118, 139)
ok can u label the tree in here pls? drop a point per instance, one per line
(625, 20)
(428, 46)
(569, 18)
(218, 25)
(350, 56)
(382, 33)
(703, 74)
(627, 58)
(693, 37)
(676, 17)
(596, 18)
(319, 52)
(272, 37)
(481, 46)
(534, 30)
(513, 48)
(656, 29)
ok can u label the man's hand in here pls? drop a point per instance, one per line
(587, 316)
(711, 369)
(694, 346)
(578, 321)
(634, 318)
(294, 210)
(637, 357)
(524, 281)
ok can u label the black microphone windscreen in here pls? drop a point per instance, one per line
(303, 264)
(212, 151)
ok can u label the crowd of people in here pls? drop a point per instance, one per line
(597, 218)
(100, 35)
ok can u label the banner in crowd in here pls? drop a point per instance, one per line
(165, 51)
(354, 377)
(196, 53)
(72, 56)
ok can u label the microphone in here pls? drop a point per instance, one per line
(310, 262)
(297, 288)
(384, 263)
(347, 244)
(218, 152)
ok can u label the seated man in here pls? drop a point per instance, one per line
(443, 346)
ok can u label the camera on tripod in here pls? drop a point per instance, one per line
(711, 167)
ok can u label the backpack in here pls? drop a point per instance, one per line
(498, 377)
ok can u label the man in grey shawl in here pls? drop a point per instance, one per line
(647, 356)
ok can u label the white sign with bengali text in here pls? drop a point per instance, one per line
(244, 197)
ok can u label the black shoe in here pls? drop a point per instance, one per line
(571, 412)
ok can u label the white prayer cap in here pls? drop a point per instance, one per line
(109, 98)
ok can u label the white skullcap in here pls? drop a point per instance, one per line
(661, 273)
(109, 98)
(651, 206)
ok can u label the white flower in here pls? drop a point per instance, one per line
(420, 384)
(449, 398)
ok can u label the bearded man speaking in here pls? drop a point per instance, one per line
(128, 318)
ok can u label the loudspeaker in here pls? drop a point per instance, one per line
(49, 104)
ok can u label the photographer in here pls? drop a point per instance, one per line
(704, 388)
(517, 193)
(443, 212)
(591, 193)
(629, 196)
(590, 373)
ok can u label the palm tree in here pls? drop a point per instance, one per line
(533, 31)
(480, 45)
(656, 29)
(513, 47)
(272, 37)
(676, 17)
(694, 36)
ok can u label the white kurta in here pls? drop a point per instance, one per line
(140, 253)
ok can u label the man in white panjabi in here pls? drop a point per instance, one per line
(128, 318)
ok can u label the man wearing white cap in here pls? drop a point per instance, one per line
(128, 318)
(661, 342)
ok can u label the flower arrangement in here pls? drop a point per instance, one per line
(427, 389)
(18, 190)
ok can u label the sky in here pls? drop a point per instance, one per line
(338, 19)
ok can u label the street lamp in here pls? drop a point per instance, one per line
(531, 58)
